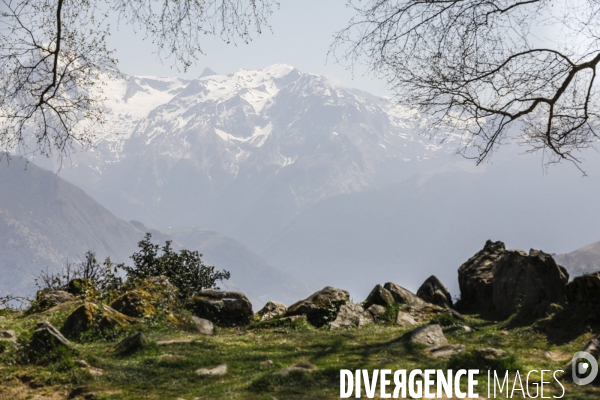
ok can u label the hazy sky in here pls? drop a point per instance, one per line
(302, 33)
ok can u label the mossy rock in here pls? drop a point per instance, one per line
(136, 303)
(79, 287)
(87, 317)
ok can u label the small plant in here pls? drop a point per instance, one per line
(185, 270)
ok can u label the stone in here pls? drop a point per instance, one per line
(204, 326)
(490, 353)
(271, 310)
(282, 322)
(321, 307)
(376, 311)
(267, 363)
(225, 309)
(46, 299)
(8, 335)
(433, 291)
(529, 283)
(464, 328)
(135, 303)
(46, 337)
(592, 347)
(584, 290)
(475, 279)
(446, 351)
(429, 335)
(404, 319)
(379, 296)
(78, 286)
(302, 366)
(217, 371)
(80, 320)
(351, 315)
(403, 296)
(130, 344)
(84, 317)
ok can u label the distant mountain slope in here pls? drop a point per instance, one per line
(248, 269)
(45, 220)
(581, 261)
(243, 153)
(434, 222)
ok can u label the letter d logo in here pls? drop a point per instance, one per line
(580, 369)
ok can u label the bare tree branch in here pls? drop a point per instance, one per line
(482, 68)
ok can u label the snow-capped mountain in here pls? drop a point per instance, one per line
(243, 153)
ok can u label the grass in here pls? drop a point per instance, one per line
(168, 371)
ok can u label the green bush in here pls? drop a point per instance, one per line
(185, 270)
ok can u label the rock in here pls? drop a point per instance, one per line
(79, 286)
(429, 335)
(490, 353)
(376, 311)
(86, 316)
(528, 282)
(592, 347)
(8, 335)
(303, 366)
(80, 320)
(130, 344)
(46, 337)
(403, 296)
(379, 296)
(465, 329)
(446, 351)
(222, 308)
(321, 307)
(350, 315)
(271, 310)
(136, 303)
(475, 279)
(112, 318)
(423, 312)
(204, 326)
(217, 371)
(404, 319)
(433, 291)
(47, 298)
(584, 289)
(162, 292)
(281, 322)
(267, 363)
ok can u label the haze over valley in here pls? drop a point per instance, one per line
(291, 182)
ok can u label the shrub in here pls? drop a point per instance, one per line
(185, 270)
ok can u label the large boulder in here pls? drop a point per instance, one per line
(529, 283)
(429, 335)
(47, 338)
(403, 296)
(135, 303)
(321, 307)
(475, 279)
(86, 316)
(584, 289)
(433, 291)
(351, 315)
(47, 298)
(225, 309)
(379, 296)
(271, 310)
